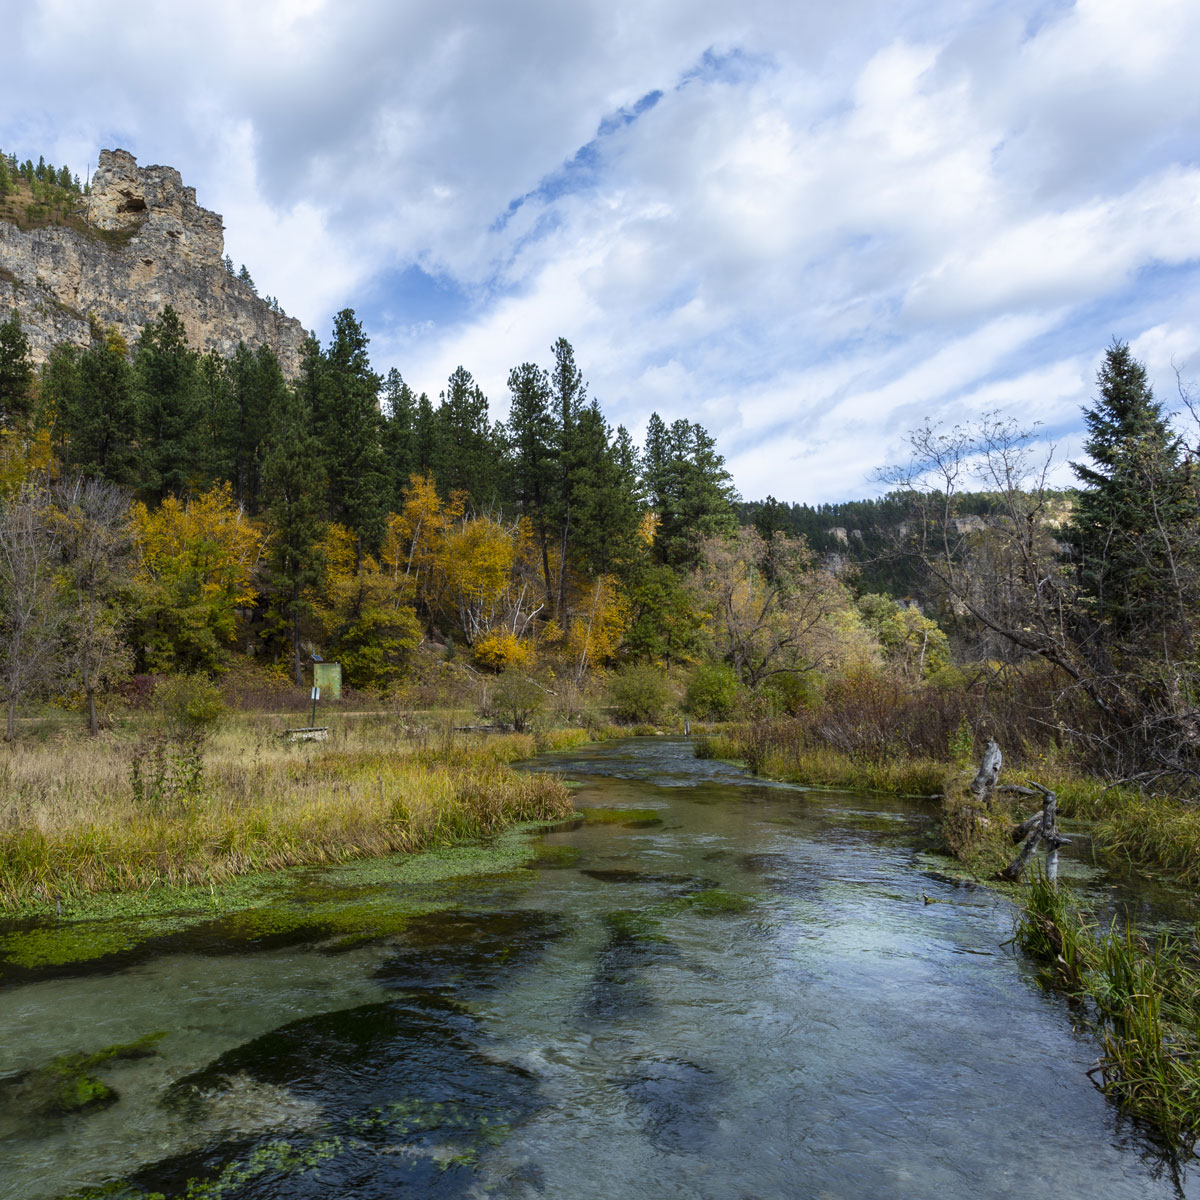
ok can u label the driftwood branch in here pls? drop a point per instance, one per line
(1041, 827)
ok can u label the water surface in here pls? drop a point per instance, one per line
(715, 987)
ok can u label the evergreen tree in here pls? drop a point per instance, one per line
(399, 436)
(427, 438)
(256, 390)
(348, 423)
(293, 486)
(604, 496)
(533, 441)
(215, 380)
(469, 454)
(16, 372)
(96, 402)
(688, 487)
(1134, 520)
(170, 408)
(569, 395)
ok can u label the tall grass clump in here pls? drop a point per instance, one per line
(784, 748)
(1143, 997)
(121, 819)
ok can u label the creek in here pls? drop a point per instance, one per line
(707, 986)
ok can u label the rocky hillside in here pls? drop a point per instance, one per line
(137, 242)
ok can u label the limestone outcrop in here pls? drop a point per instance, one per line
(143, 243)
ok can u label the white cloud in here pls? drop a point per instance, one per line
(834, 221)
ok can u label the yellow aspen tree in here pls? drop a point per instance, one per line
(195, 563)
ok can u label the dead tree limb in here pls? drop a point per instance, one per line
(983, 786)
(1041, 827)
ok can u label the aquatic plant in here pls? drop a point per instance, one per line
(712, 902)
(1143, 997)
(631, 818)
(69, 1083)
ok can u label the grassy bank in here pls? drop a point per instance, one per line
(1150, 833)
(1143, 997)
(768, 754)
(129, 813)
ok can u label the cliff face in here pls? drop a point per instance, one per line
(145, 244)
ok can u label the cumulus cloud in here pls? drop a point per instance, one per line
(810, 227)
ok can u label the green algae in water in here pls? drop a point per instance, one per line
(630, 818)
(354, 902)
(279, 1156)
(711, 902)
(68, 1084)
(633, 925)
(550, 858)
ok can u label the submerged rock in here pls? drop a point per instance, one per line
(676, 1100)
(69, 1083)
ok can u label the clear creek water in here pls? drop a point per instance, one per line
(716, 988)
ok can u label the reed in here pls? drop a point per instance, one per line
(74, 820)
(770, 754)
(1143, 997)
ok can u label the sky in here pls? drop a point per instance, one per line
(811, 227)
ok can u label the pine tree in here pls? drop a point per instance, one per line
(171, 416)
(293, 487)
(427, 438)
(688, 488)
(256, 390)
(569, 396)
(604, 497)
(16, 372)
(399, 436)
(533, 441)
(470, 456)
(1134, 520)
(347, 420)
(216, 383)
(97, 409)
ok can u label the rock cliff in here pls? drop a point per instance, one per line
(143, 243)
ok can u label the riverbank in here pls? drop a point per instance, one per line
(1138, 993)
(1148, 833)
(135, 812)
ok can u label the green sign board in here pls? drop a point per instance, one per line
(328, 677)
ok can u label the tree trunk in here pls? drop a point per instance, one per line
(93, 722)
(12, 717)
(296, 668)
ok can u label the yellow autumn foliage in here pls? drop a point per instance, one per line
(370, 623)
(206, 542)
(500, 649)
(195, 564)
(594, 638)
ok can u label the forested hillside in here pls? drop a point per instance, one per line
(169, 512)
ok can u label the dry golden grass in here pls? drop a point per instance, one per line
(72, 819)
